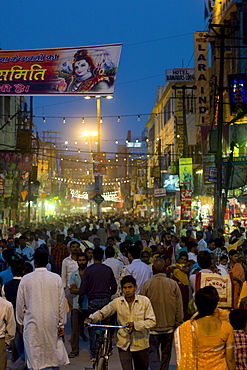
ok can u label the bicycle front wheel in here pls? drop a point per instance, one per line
(102, 364)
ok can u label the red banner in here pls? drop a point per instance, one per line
(186, 199)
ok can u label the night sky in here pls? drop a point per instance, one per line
(156, 36)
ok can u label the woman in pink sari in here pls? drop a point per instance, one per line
(238, 276)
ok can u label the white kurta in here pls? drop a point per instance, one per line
(40, 307)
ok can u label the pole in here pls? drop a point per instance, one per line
(29, 178)
(98, 103)
(219, 210)
(185, 123)
(91, 171)
(218, 195)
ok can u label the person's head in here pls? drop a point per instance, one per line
(192, 247)
(94, 231)
(70, 231)
(223, 260)
(159, 249)
(89, 253)
(167, 259)
(133, 252)
(96, 242)
(220, 232)
(188, 233)
(40, 257)
(238, 318)
(124, 247)
(131, 231)
(3, 243)
(204, 259)
(128, 285)
(218, 242)
(160, 228)
(74, 247)
(82, 260)
(147, 236)
(167, 237)
(233, 256)
(242, 230)
(109, 252)
(60, 238)
(184, 241)
(139, 244)
(183, 258)
(212, 260)
(22, 241)
(206, 300)
(98, 254)
(11, 242)
(159, 266)
(199, 235)
(210, 228)
(211, 244)
(110, 241)
(145, 255)
(17, 267)
(53, 234)
(174, 239)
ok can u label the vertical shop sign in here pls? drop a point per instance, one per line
(186, 199)
(201, 79)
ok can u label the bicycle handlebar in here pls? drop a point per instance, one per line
(108, 326)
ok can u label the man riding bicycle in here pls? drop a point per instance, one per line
(135, 311)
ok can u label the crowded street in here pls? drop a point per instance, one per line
(123, 185)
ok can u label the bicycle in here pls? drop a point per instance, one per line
(103, 350)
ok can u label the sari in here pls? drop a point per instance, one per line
(195, 351)
(183, 282)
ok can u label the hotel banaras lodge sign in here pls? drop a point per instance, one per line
(89, 70)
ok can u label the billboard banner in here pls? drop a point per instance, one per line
(170, 182)
(186, 173)
(89, 70)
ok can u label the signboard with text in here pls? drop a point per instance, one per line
(180, 75)
(85, 70)
(159, 192)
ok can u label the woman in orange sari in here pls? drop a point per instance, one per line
(238, 276)
(205, 342)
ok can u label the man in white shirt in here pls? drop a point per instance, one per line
(138, 269)
(135, 311)
(7, 329)
(122, 234)
(112, 262)
(200, 241)
(69, 265)
(41, 309)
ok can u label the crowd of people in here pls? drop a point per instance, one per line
(141, 273)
